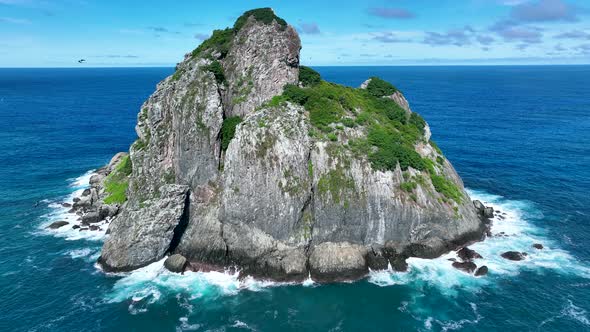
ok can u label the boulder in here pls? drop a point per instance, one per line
(66, 205)
(57, 224)
(481, 271)
(175, 263)
(467, 254)
(479, 206)
(538, 246)
(488, 212)
(75, 226)
(93, 228)
(96, 180)
(144, 234)
(86, 192)
(514, 255)
(337, 262)
(91, 218)
(468, 267)
(108, 211)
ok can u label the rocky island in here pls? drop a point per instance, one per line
(247, 159)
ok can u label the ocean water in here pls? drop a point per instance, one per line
(518, 136)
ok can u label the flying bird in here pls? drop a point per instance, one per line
(81, 60)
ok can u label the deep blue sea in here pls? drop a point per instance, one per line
(518, 136)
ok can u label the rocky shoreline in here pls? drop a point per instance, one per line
(95, 216)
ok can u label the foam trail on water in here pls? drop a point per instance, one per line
(147, 285)
(511, 231)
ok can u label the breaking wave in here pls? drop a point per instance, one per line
(512, 230)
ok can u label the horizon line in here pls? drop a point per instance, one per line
(335, 65)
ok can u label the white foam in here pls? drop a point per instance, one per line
(521, 235)
(151, 282)
(569, 311)
(59, 212)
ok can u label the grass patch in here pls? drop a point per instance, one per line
(446, 187)
(335, 183)
(177, 74)
(117, 182)
(228, 130)
(408, 186)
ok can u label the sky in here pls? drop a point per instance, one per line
(46, 33)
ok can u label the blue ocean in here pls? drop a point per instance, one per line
(518, 135)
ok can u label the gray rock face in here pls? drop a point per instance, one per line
(278, 202)
(134, 247)
(263, 58)
(337, 261)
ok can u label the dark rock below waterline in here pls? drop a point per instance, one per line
(482, 271)
(467, 254)
(175, 263)
(479, 205)
(90, 218)
(514, 255)
(488, 212)
(66, 205)
(94, 228)
(75, 226)
(57, 224)
(468, 267)
(538, 246)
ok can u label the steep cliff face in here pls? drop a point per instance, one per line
(242, 161)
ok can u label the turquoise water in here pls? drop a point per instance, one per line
(519, 137)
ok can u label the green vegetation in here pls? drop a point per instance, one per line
(335, 182)
(177, 74)
(221, 40)
(308, 76)
(332, 137)
(217, 70)
(228, 130)
(408, 186)
(263, 15)
(380, 88)
(117, 182)
(310, 169)
(446, 187)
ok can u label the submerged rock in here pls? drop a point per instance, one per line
(175, 263)
(468, 267)
(57, 224)
(488, 212)
(538, 246)
(282, 187)
(481, 271)
(514, 255)
(467, 254)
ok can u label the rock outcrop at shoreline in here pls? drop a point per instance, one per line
(247, 159)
